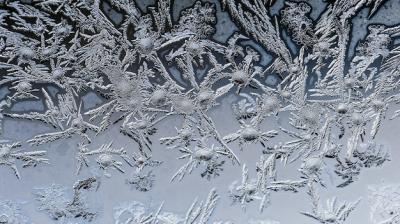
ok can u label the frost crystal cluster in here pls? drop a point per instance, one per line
(303, 102)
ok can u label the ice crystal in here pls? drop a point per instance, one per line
(9, 155)
(247, 191)
(136, 212)
(333, 213)
(57, 203)
(201, 155)
(142, 182)
(105, 157)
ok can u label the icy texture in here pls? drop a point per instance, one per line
(276, 92)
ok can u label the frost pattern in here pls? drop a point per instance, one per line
(385, 203)
(10, 212)
(148, 68)
(64, 209)
(9, 155)
(135, 212)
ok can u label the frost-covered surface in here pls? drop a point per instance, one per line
(385, 203)
(269, 111)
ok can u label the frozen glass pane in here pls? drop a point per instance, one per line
(194, 112)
